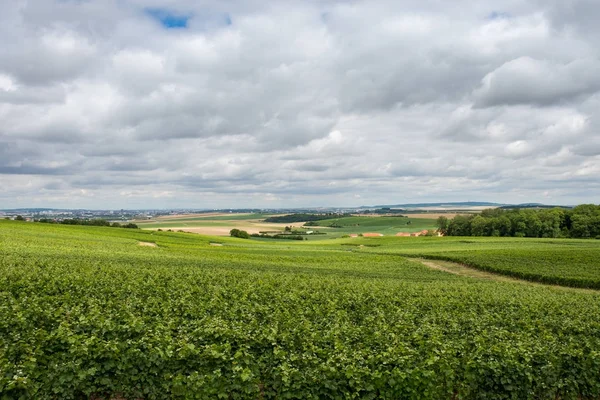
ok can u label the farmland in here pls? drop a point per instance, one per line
(554, 261)
(219, 225)
(384, 225)
(254, 223)
(89, 312)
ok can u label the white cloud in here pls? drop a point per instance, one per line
(527, 80)
(272, 102)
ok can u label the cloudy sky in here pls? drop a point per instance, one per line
(248, 103)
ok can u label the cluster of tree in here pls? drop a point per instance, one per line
(311, 223)
(279, 236)
(331, 225)
(239, 234)
(285, 219)
(582, 221)
(88, 222)
(289, 230)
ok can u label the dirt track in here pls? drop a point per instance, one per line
(463, 270)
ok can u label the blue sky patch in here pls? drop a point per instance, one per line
(168, 19)
(498, 15)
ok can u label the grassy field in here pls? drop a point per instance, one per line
(87, 311)
(387, 226)
(199, 218)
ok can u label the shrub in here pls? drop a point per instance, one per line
(239, 234)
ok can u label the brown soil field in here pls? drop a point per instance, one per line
(250, 226)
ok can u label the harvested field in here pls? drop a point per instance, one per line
(225, 226)
(203, 215)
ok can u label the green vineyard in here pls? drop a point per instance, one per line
(574, 263)
(94, 312)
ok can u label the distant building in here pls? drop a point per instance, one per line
(422, 233)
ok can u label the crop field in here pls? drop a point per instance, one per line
(92, 312)
(565, 262)
(384, 225)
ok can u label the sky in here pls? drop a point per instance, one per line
(268, 104)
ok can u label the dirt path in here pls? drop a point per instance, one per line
(463, 270)
(147, 244)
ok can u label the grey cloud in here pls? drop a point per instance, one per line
(580, 16)
(32, 170)
(591, 148)
(47, 57)
(529, 81)
(30, 95)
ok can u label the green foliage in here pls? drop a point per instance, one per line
(91, 222)
(442, 224)
(581, 222)
(571, 265)
(567, 262)
(85, 312)
(239, 234)
(287, 236)
(88, 222)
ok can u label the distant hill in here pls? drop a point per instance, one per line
(451, 204)
(531, 205)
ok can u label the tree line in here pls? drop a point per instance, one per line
(582, 221)
(87, 222)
